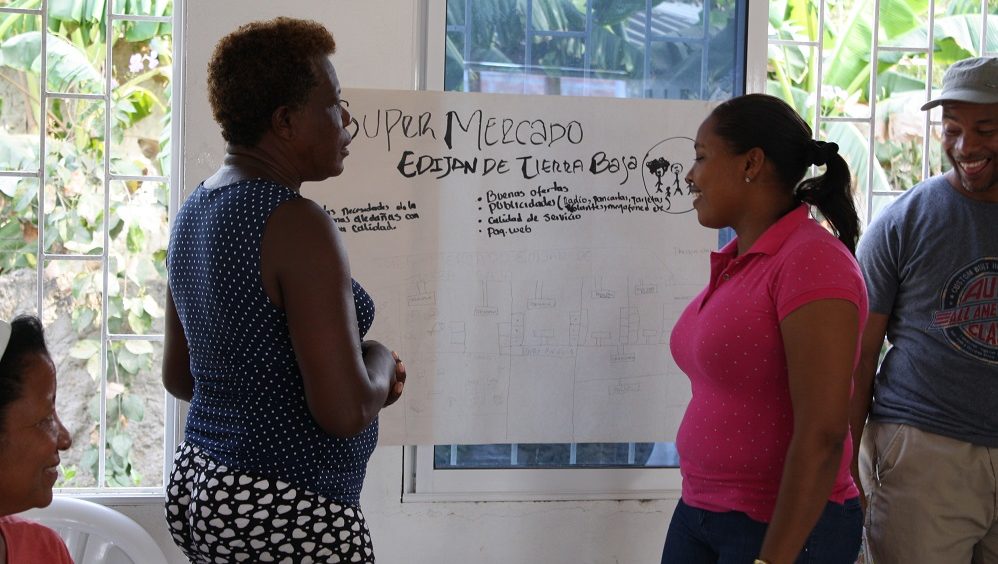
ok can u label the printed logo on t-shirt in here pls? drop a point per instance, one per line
(969, 314)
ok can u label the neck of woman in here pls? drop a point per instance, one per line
(761, 216)
(244, 163)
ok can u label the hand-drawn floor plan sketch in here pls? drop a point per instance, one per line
(559, 345)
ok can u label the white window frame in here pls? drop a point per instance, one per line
(422, 482)
(175, 411)
(100, 492)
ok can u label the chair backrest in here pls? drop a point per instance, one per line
(95, 534)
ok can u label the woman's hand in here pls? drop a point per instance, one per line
(397, 382)
(176, 371)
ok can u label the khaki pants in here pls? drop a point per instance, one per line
(930, 499)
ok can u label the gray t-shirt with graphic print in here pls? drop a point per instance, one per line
(931, 263)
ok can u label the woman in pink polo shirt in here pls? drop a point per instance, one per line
(769, 346)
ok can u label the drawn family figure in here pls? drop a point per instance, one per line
(658, 167)
(677, 170)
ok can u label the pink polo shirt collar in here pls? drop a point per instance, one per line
(724, 263)
(772, 239)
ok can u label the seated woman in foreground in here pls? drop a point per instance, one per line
(31, 437)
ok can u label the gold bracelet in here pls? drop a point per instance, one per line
(759, 561)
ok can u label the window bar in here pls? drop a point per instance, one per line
(646, 60)
(871, 161)
(134, 337)
(573, 453)
(105, 339)
(561, 33)
(844, 119)
(43, 102)
(171, 407)
(453, 455)
(741, 49)
(75, 96)
(984, 28)
(466, 48)
(140, 18)
(927, 124)
(514, 454)
(705, 51)
(792, 43)
(528, 51)
(586, 44)
(631, 454)
(898, 49)
(25, 11)
(820, 82)
(70, 258)
(421, 32)
(134, 178)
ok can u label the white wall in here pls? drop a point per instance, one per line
(377, 48)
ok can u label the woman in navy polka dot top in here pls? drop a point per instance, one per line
(265, 326)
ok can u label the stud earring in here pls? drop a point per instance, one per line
(747, 180)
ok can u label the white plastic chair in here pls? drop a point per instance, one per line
(96, 534)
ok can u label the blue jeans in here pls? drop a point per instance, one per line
(697, 536)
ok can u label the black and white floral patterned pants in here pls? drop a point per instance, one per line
(218, 515)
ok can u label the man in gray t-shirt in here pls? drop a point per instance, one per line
(928, 457)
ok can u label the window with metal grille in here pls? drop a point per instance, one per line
(85, 198)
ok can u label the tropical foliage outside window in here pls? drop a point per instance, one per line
(681, 49)
(864, 90)
(84, 197)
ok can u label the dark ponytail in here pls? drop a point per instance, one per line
(760, 120)
(831, 193)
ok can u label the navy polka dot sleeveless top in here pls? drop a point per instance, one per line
(248, 411)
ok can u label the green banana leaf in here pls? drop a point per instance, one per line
(69, 70)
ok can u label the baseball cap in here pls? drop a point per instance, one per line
(974, 81)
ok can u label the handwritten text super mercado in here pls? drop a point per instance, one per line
(476, 131)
